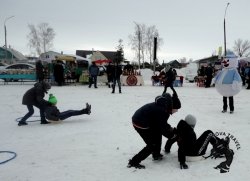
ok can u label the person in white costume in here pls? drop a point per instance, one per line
(228, 81)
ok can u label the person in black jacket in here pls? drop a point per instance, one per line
(169, 78)
(39, 71)
(109, 74)
(52, 113)
(59, 73)
(116, 74)
(189, 145)
(35, 97)
(93, 73)
(150, 121)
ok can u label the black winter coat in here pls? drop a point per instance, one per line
(116, 71)
(186, 140)
(152, 116)
(52, 113)
(35, 95)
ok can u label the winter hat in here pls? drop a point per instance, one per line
(190, 120)
(165, 100)
(52, 99)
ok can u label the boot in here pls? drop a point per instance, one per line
(22, 123)
(87, 110)
(158, 157)
(120, 91)
(131, 163)
(44, 122)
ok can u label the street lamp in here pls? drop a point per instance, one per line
(5, 34)
(139, 39)
(225, 46)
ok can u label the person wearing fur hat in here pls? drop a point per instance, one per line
(189, 145)
(150, 122)
(35, 97)
(53, 114)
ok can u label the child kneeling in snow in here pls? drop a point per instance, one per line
(52, 113)
(189, 145)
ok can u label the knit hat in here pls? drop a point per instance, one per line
(164, 100)
(52, 99)
(190, 120)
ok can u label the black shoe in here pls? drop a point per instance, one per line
(113, 92)
(45, 122)
(231, 112)
(135, 165)
(223, 111)
(22, 123)
(158, 157)
(88, 108)
(120, 91)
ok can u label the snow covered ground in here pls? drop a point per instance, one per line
(97, 147)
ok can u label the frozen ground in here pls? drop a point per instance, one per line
(97, 147)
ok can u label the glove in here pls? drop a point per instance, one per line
(183, 166)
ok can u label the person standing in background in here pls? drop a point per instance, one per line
(93, 73)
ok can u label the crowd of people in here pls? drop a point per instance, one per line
(150, 121)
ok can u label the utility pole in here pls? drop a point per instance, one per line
(139, 44)
(225, 41)
(5, 35)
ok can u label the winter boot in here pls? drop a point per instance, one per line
(87, 110)
(157, 157)
(44, 122)
(131, 163)
(120, 91)
(22, 123)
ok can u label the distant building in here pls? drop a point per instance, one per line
(10, 56)
(174, 64)
(97, 55)
(213, 60)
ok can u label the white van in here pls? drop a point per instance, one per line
(191, 72)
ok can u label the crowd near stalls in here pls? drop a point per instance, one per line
(61, 70)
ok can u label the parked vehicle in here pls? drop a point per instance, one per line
(17, 71)
(191, 72)
(3, 65)
(20, 66)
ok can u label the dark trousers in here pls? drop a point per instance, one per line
(93, 80)
(168, 85)
(69, 113)
(118, 80)
(202, 142)
(208, 81)
(31, 112)
(153, 144)
(231, 103)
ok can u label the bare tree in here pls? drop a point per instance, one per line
(142, 41)
(41, 38)
(242, 48)
(151, 33)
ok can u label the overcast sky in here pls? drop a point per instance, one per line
(189, 28)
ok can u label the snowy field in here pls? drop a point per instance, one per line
(97, 147)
